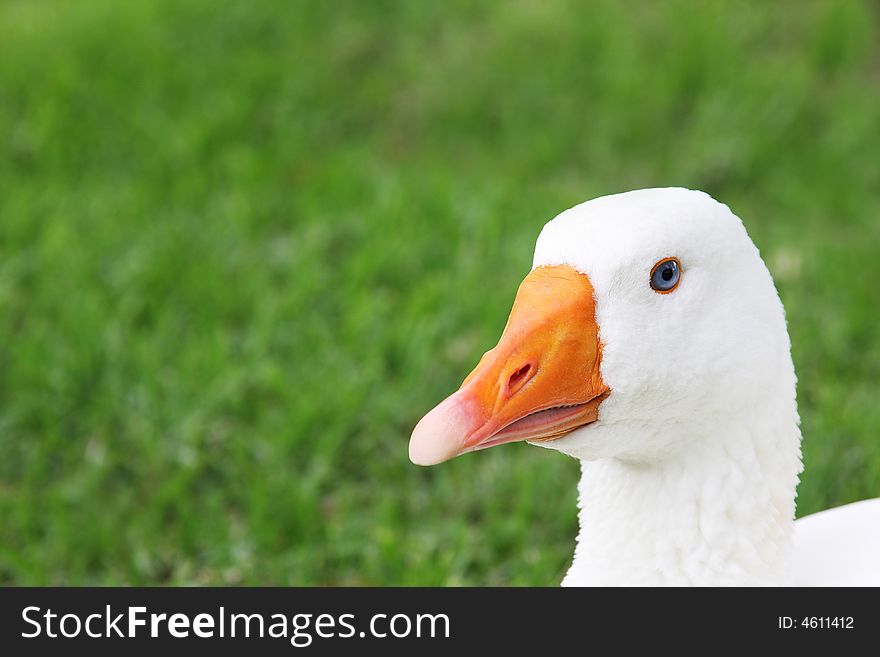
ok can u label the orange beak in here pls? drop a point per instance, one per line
(539, 383)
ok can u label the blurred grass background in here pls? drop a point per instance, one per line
(245, 245)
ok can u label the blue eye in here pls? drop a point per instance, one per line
(665, 275)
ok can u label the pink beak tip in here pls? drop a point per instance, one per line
(440, 435)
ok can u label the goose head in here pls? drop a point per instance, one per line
(648, 319)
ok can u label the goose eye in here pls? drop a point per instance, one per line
(665, 275)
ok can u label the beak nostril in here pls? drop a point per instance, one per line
(519, 378)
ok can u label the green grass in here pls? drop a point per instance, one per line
(244, 247)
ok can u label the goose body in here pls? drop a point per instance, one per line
(839, 547)
(649, 342)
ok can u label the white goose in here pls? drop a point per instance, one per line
(649, 342)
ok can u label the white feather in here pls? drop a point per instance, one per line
(839, 547)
